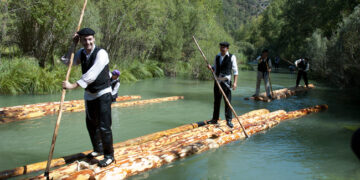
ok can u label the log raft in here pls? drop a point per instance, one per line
(282, 93)
(22, 170)
(16, 113)
(22, 112)
(131, 160)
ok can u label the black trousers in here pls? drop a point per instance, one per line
(114, 97)
(304, 75)
(98, 123)
(217, 101)
(276, 65)
(355, 143)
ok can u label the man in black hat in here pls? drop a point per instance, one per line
(96, 82)
(303, 68)
(224, 65)
(264, 68)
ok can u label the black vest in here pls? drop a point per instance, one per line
(262, 66)
(113, 83)
(225, 67)
(103, 79)
(302, 65)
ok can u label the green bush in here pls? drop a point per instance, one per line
(343, 61)
(24, 76)
(138, 70)
(316, 49)
(339, 54)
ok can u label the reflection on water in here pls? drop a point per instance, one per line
(314, 147)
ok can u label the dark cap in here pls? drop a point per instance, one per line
(86, 31)
(226, 44)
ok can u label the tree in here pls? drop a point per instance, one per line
(41, 26)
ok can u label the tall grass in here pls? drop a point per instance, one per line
(137, 70)
(24, 76)
(242, 61)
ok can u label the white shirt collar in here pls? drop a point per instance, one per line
(227, 53)
(84, 50)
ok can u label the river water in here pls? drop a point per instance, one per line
(313, 147)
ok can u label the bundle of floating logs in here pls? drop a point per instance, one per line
(15, 113)
(282, 93)
(22, 112)
(151, 151)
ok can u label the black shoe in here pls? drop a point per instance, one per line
(270, 97)
(213, 121)
(94, 154)
(255, 95)
(106, 161)
(229, 123)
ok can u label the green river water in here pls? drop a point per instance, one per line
(313, 147)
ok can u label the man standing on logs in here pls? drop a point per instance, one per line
(96, 82)
(264, 68)
(115, 84)
(223, 65)
(303, 68)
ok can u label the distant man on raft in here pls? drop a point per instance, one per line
(303, 67)
(263, 70)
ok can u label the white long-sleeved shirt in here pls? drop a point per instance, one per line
(234, 64)
(101, 60)
(307, 64)
(117, 85)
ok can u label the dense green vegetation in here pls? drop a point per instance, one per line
(327, 31)
(154, 38)
(239, 12)
(143, 38)
(17, 75)
(25, 76)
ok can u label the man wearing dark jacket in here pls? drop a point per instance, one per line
(95, 80)
(303, 68)
(264, 68)
(224, 65)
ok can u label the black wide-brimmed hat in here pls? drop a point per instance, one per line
(225, 44)
(86, 32)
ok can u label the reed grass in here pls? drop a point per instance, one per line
(24, 76)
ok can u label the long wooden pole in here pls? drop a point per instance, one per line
(287, 61)
(218, 84)
(268, 70)
(57, 125)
